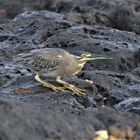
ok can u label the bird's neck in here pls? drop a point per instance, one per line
(83, 60)
(81, 63)
(79, 67)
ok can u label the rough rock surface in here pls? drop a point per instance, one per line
(31, 111)
(120, 14)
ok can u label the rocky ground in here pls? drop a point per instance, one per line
(30, 111)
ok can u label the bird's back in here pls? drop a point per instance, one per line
(42, 60)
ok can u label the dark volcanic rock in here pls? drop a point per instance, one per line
(31, 111)
(120, 14)
(35, 123)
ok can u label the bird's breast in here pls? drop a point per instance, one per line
(74, 68)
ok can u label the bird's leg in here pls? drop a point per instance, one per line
(71, 87)
(48, 85)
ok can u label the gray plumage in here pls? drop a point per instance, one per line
(51, 62)
(55, 62)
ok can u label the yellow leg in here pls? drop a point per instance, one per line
(71, 87)
(48, 85)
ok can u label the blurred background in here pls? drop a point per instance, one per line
(120, 14)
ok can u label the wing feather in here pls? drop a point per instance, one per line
(41, 59)
(39, 63)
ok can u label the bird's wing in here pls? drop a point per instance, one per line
(41, 63)
(41, 59)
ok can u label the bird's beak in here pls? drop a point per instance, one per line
(96, 58)
(87, 57)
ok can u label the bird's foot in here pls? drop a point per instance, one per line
(61, 89)
(71, 87)
(55, 88)
(75, 89)
(48, 85)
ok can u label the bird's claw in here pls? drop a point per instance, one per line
(77, 90)
(55, 88)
